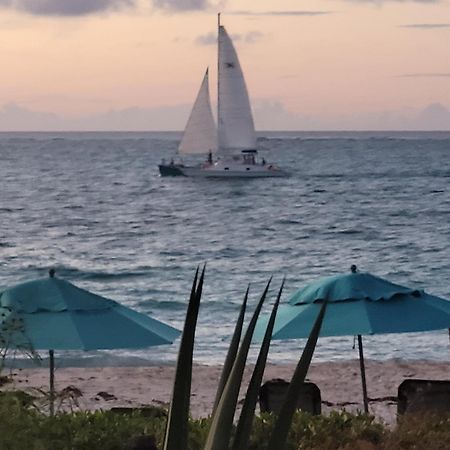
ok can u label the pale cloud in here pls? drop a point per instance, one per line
(425, 75)
(273, 115)
(211, 38)
(379, 2)
(183, 5)
(249, 38)
(18, 118)
(436, 116)
(207, 39)
(279, 13)
(426, 26)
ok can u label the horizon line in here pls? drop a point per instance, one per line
(368, 130)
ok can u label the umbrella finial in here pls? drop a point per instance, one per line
(51, 273)
(353, 268)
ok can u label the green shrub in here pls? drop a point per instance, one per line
(337, 430)
(22, 427)
(18, 423)
(25, 428)
(198, 432)
(420, 431)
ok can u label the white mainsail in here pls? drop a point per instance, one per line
(200, 134)
(235, 127)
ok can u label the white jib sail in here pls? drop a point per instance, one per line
(236, 130)
(200, 134)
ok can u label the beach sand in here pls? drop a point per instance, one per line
(339, 383)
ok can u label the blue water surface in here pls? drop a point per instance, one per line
(93, 206)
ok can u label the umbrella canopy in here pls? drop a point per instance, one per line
(358, 303)
(54, 314)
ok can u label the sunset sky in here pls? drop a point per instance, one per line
(137, 64)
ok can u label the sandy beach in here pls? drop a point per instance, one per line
(339, 383)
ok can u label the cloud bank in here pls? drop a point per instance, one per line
(84, 7)
(66, 7)
(14, 117)
(269, 115)
(70, 8)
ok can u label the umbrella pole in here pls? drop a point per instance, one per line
(52, 382)
(363, 374)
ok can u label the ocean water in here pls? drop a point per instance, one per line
(93, 206)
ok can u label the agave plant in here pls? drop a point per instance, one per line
(220, 432)
(283, 423)
(244, 426)
(176, 437)
(232, 352)
(222, 421)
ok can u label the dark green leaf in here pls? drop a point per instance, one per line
(176, 437)
(232, 351)
(281, 429)
(222, 422)
(244, 426)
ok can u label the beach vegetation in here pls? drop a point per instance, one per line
(23, 427)
(420, 431)
(12, 329)
(25, 424)
(222, 432)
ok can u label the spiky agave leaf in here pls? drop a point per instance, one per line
(244, 426)
(283, 423)
(222, 422)
(232, 351)
(176, 437)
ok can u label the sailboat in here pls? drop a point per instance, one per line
(231, 145)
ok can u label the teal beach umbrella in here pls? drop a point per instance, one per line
(53, 314)
(358, 304)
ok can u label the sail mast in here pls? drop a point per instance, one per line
(218, 80)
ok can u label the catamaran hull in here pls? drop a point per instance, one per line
(221, 172)
(170, 170)
(252, 172)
